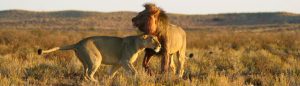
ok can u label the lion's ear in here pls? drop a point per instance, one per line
(144, 37)
(154, 11)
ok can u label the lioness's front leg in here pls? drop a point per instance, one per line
(129, 68)
(113, 70)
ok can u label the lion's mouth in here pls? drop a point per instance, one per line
(138, 25)
(135, 25)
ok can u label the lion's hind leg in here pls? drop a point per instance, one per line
(181, 59)
(172, 64)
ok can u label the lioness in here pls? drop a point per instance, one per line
(115, 51)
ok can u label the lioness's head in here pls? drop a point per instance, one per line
(151, 41)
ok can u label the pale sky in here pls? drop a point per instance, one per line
(170, 6)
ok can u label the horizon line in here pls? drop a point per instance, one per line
(137, 11)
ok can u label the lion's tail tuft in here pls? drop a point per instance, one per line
(40, 51)
(191, 55)
(68, 47)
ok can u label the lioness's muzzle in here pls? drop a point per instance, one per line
(157, 49)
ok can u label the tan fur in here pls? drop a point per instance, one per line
(115, 51)
(154, 21)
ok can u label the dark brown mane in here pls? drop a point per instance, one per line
(163, 22)
(163, 17)
(147, 5)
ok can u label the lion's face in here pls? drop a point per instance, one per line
(140, 20)
(151, 42)
(146, 20)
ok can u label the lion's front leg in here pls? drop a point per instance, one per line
(165, 62)
(149, 53)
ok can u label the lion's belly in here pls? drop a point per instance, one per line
(176, 39)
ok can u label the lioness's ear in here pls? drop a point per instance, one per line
(144, 37)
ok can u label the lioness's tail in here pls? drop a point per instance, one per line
(68, 47)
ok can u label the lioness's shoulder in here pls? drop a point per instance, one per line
(130, 39)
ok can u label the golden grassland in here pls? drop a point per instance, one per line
(221, 58)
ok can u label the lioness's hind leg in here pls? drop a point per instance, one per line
(80, 55)
(92, 70)
(91, 59)
(93, 66)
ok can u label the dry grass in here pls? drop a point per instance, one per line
(222, 58)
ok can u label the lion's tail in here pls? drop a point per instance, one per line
(68, 47)
(191, 55)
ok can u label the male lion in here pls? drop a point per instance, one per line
(154, 21)
(115, 51)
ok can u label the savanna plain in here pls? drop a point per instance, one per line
(223, 56)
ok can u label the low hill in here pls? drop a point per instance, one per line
(21, 19)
